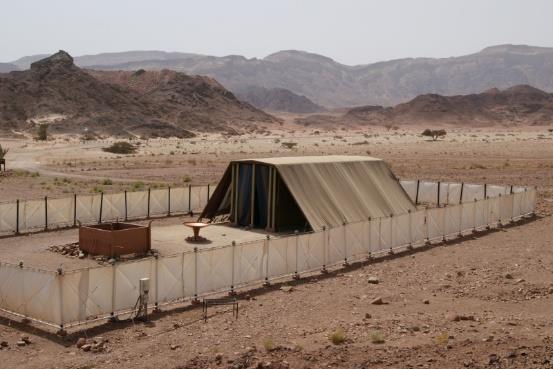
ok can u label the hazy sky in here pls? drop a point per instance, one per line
(351, 32)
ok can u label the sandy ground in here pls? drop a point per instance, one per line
(484, 302)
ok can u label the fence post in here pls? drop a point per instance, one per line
(17, 216)
(189, 199)
(444, 225)
(113, 277)
(474, 215)
(461, 196)
(439, 193)
(391, 234)
(169, 201)
(195, 300)
(60, 286)
(148, 214)
(233, 245)
(74, 210)
(380, 234)
(156, 297)
(45, 213)
(369, 256)
(460, 220)
(325, 251)
(410, 246)
(207, 194)
(345, 245)
(101, 207)
(417, 195)
(126, 208)
(266, 245)
(296, 236)
(485, 190)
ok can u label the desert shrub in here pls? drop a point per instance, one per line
(186, 179)
(121, 147)
(3, 152)
(137, 186)
(337, 337)
(377, 337)
(42, 132)
(289, 145)
(268, 344)
(434, 133)
(107, 182)
(442, 338)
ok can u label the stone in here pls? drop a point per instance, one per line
(377, 301)
(26, 339)
(426, 301)
(452, 317)
(373, 280)
(508, 276)
(20, 343)
(4, 344)
(488, 339)
(368, 316)
(174, 347)
(493, 359)
(219, 357)
(86, 347)
(287, 288)
(81, 342)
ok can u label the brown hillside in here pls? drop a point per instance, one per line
(56, 91)
(518, 105)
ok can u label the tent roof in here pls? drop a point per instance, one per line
(297, 160)
(331, 190)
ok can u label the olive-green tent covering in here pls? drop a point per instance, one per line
(298, 192)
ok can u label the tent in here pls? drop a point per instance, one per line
(306, 193)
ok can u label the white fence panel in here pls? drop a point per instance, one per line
(250, 260)
(159, 202)
(473, 192)
(42, 296)
(418, 226)
(356, 239)
(137, 204)
(401, 230)
(170, 278)
(311, 254)
(32, 215)
(336, 251)
(12, 289)
(87, 294)
(88, 208)
(454, 193)
(127, 279)
(428, 192)
(60, 212)
(113, 207)
(215, 269)
(179, 200)
(435, 223)
(8, 217)
(282, 257)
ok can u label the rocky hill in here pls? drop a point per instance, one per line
(56, 91)
(278, 99)
(518, 105)
(7, 67)
(331, 84)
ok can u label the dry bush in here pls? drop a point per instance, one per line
(337, 337)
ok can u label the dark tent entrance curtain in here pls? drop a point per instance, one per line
(260, 199)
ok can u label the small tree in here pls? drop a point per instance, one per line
(3, 152)
(434, 133)
(42, 133)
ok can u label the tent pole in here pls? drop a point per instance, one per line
(237, 193)
(232, 194)
(273, 220)
(269, 197)
(252, 197)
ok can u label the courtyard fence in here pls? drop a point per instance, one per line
(47, 213)
(65, 298)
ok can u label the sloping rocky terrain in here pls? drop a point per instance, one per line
(517, 105)
(278, 99)
(70, 100)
